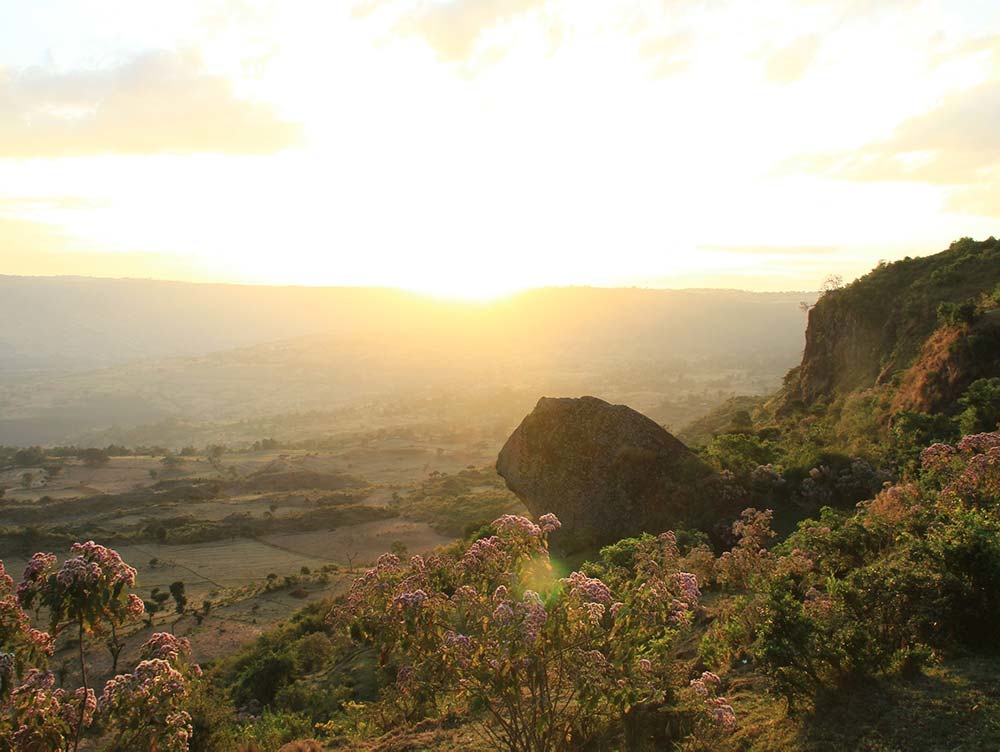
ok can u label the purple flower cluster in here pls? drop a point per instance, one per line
(482, 551)
(517, 524)
(979, 443)
(688, 585)
(387, 563)
(668, 545)
(719, 709)
(165, 647)
(15, 628)
(410, 600)
(465, 594)
(549, 523)
(937, 457)
(460, 647)
(680, 612)
(49, 714)
(534, 616)
(594, 611)
(34, 577)
(503, 613)
(588, 588)
(150, 696)
(135, 607)
(116, 571)
(78, 573)
(969, 472)
(722, 713)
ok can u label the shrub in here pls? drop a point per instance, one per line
(545, 663)
(982, 406)
(89, 592)
(848, 597)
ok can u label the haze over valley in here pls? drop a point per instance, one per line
(143, 362)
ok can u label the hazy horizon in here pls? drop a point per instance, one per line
(445, 297)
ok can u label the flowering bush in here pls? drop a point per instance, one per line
(915, 570)
(719, 710)
(551, 662)
(91, 592)
(145, 707)
(737, 568)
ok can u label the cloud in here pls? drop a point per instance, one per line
(955, 143)
(668, 54)
(791, 63)
(982, 199)
(158, 102)
(20, 204)
(38, 248)
(454, 28)
(772, 250)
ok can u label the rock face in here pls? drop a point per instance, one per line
(606, 471)
(866, 334)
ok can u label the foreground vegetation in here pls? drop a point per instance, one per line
(657, 642)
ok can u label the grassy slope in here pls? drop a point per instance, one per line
(954, 706)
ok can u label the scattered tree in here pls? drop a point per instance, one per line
(832, 282)
(29, 457)
(94, 457)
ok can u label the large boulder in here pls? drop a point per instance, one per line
(607, 471)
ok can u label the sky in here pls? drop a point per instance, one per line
(470, 148)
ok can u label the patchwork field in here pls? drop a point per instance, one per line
(254, 535)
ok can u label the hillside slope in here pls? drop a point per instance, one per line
(865, 334)
(907, 355)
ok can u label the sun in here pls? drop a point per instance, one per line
(467, 289)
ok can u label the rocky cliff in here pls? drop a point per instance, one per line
(872, 331)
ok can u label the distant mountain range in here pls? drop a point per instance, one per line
(80, 354)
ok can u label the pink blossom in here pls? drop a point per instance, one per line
(979, 443)
(549, 522)
(937, 457)
(535, 616)
(595, 612)
(108, 560)
(135, 606)
(165, 646)
(588, 588)
(688, 584)
(78, 573)
(387, 562)
(409, 600)
(516, 523)
(482, 551)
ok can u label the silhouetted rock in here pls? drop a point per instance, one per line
(607, 472)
